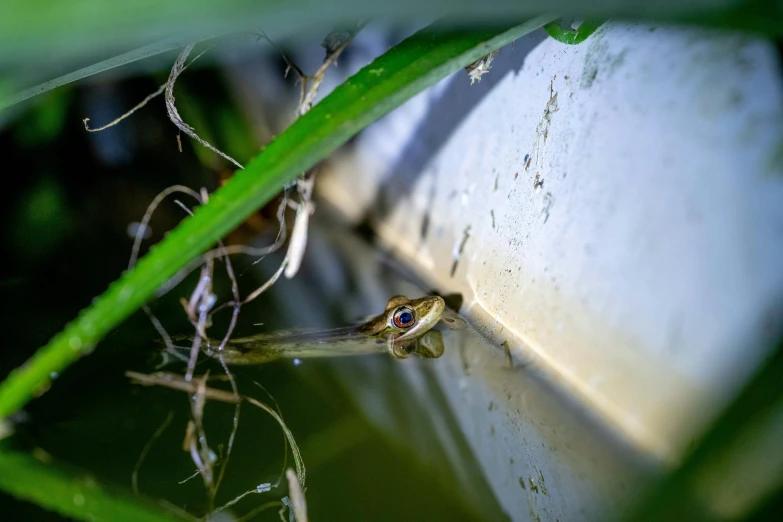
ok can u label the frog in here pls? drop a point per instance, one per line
(404, 328)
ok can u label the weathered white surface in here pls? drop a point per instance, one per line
(644, 273)
(509, 441)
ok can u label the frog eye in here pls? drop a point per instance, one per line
(403, 317)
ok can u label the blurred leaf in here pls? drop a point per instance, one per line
(76, 31)
(235, 132)
(41, 220)
(5, 91)
(29, 29)
(572, 36)
(44, 121)
(105, 65)
(71, 494)
(73, 28)
(768, 509)
(678, 496)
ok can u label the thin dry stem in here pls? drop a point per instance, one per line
(162, 332)
(234, 316)
(143, 455)
(199, 448)
(229, 331)
(259, 509)
(232, 502)
(177, 382)
(235, 423)
(171, 108)
(306, 102)
(214, 254)
(200, 306)
(229, 250)
(281, 232)
(237, 304)
(195, 473)
(139, 237)
(300, 469)
(305, 208)
(285, 440)
(114, 122)
(272, 280)
(201, 302)
(196, 298)
(139, 105)
(298, 503)
(148, 215)
(289, 63)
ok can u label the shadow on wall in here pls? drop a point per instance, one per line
(444, 115)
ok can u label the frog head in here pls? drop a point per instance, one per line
(404, 322)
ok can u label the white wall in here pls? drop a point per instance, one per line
(644, 275)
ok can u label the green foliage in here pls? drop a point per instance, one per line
(40, 219)
(572, 36)
(683, 494)
(44, 121)
(71, 494)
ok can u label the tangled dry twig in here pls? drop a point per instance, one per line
(202, 303)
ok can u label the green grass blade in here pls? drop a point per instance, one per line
(573, 36)
(99, 67)
(57, 489)
(403, 71)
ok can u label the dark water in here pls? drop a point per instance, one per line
(64, 239)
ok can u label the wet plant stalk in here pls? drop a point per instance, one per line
(71, 493)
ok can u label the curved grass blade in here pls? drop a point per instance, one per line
(405, 70)
(99, 67)
(63, 491)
